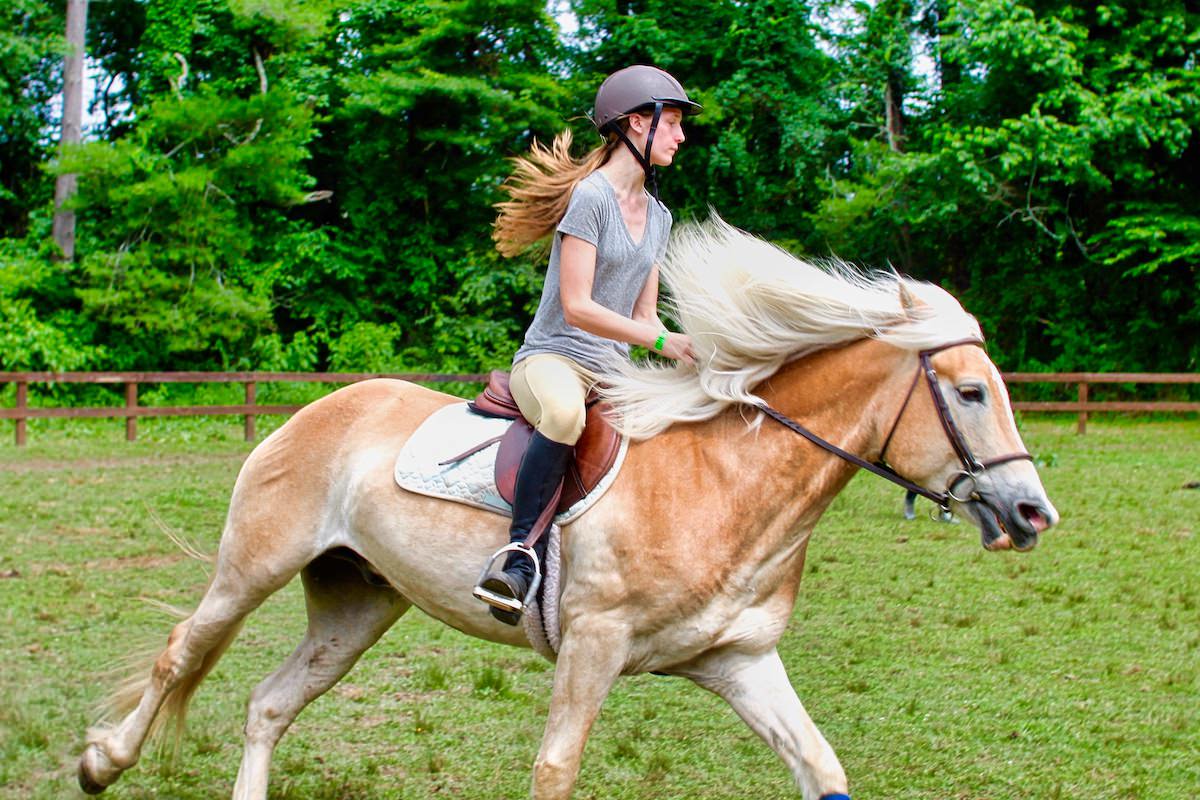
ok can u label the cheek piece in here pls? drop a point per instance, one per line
(644, 158)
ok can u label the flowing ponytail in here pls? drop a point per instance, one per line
(540, 189)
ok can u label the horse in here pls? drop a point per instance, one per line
(689, 565)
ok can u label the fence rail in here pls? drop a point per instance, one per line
(1084, 380)
(250, 410)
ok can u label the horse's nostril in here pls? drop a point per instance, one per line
(1034, 515)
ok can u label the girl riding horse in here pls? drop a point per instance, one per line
(601, 289)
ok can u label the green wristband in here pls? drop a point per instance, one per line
(661, 341)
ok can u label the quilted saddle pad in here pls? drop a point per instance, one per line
(451, 431)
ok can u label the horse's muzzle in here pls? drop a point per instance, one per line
(1011, 526)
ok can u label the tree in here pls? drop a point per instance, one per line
(428, 101)
(30, 61)
(72, 126)
(185, 209)
(1038, 189)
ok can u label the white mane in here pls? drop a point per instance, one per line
(751, 307)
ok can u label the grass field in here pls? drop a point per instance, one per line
(935, 669)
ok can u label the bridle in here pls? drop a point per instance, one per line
(972, 467)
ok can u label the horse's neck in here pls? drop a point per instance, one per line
(737, 505)
(843, 395)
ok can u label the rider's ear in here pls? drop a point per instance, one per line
(909, 301)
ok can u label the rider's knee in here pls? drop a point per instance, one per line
(563, 424)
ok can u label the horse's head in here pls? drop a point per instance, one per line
(956, 435)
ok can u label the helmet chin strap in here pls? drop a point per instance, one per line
(644, 158)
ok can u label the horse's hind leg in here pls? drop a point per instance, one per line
(346, 615)
(193, 649)
(252, 563)
(759, 690)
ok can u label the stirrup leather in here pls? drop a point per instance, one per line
(500, 601)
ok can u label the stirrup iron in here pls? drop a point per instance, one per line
(500, 601)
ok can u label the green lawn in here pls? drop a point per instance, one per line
(935, 669)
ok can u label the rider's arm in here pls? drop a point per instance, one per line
(577, 272)
(646, 307)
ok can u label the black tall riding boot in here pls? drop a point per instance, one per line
(538, 478)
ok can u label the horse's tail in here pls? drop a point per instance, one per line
(134, 673)
(175, 707)
(137, 671)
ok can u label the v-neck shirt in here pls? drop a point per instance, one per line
(622, 267)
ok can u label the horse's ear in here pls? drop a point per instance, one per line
(909, 301)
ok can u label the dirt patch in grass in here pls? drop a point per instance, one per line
(131, 462)
(102, 565)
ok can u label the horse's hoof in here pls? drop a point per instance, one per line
(86, 782)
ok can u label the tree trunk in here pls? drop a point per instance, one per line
(892, 98)
(72, 124)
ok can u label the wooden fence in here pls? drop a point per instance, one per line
(1082, 406)
(251, 409)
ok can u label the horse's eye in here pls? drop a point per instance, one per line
(970, 393)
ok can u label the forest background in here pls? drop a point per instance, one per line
(309, 184)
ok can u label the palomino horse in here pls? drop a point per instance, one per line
(689, 565)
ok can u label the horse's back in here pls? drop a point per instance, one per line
(292, 487)
(370, 412)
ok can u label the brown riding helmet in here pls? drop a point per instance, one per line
(636, 88)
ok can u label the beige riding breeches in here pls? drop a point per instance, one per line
(551, 391)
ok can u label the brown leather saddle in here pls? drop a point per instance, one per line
(595, 452)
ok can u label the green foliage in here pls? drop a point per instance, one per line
(268, 177)
(30, 66)
(34, 335)
(431, 98)
(176, 265)
(272, 354)
(1048, 187)
(365, 347)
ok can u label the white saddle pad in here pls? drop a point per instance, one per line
(451, 431)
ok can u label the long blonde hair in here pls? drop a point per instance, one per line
(540, 189)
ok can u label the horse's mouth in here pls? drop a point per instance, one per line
(1016, 530)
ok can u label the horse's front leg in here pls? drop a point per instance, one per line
(590, 658)
(759, 690)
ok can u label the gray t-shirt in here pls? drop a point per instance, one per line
(622, 268)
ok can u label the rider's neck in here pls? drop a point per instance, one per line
(625, 174)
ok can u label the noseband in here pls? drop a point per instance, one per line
(972, 467)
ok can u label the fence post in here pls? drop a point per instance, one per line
(251, 397)
(131, 402)
(22, 403)
(1081, 427)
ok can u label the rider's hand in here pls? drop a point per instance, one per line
(679, 347)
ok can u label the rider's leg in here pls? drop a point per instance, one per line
(551, 392)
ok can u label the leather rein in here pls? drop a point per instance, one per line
(972, 467)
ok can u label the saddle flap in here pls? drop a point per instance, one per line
(595, 453)
(508, 458)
